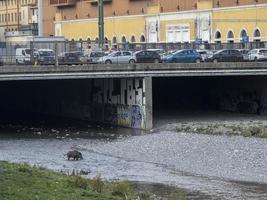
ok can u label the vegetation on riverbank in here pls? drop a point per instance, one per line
(23, 182)
(212, 128)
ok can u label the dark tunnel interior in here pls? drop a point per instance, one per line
(226, 93)
(248, 94)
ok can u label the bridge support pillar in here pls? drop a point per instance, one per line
(124, 101)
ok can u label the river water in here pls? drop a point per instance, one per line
(205, 166)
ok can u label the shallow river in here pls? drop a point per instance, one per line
(221, 167)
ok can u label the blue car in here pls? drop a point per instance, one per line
(183, 56)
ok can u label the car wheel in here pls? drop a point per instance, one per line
(215, 60)
(108, 62)
(255, 59)
(198, 60)
(156, 61)
(131, 61)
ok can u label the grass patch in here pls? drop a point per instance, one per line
(226, 129)
(23, 182)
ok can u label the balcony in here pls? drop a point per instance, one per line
(31, 3)
(63, 3)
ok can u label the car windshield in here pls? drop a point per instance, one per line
(97, 54)
(28, 51)
(220, 51)
(113, 53)
(46, 53)
(177, 52)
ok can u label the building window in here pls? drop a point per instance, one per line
(133, 39)
(142, 39)
(230, 37)
(96, 40)
(12, 17)
(257, 35)
(218, 37)
(175, 33)
(114, 42)
(106, 43)
(123, 39)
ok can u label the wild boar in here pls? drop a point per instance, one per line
(75, 155)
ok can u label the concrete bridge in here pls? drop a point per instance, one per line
(115, 94)
(20, 72)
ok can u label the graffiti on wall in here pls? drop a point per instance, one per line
(124, 115)
(136, 117)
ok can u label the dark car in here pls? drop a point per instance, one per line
(183, 56)
(75, 57)
(147, 56)
(95, 57)
(45, 57)
(226, 55)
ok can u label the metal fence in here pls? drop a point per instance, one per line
(9, 55)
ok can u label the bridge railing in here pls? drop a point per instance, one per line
(78, 52)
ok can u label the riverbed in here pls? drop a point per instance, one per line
(214, 167)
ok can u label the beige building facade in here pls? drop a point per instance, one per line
(17, 17)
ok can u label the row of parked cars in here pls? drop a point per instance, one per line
(47, 56)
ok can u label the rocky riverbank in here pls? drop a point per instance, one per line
(246, 129)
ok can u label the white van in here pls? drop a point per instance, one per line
(23, 56)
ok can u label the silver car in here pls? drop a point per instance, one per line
(119, 57)
(258, 55)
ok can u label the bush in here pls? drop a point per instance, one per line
(97, 184)
(79, 182)
(25, 168)
(121, 189)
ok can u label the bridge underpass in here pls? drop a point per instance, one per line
(128, 101)
(122, 101)
(131, 95)
(190, 97)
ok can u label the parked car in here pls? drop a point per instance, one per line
(147, 56)
(183, 56)
(226, 55)
(118, 57)
(257, 55)
(45, 56)
(161, 52)
(75, 57)
(204, 54)
(244, 52)
(95, 57)
(23, 55)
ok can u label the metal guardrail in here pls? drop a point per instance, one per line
(9, 55)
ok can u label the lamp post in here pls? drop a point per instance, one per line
(100, 24)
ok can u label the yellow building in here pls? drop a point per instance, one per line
(207, 21)
(233, 24)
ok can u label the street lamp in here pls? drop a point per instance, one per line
(100, 24)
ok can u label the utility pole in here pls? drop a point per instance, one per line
(100, 24)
